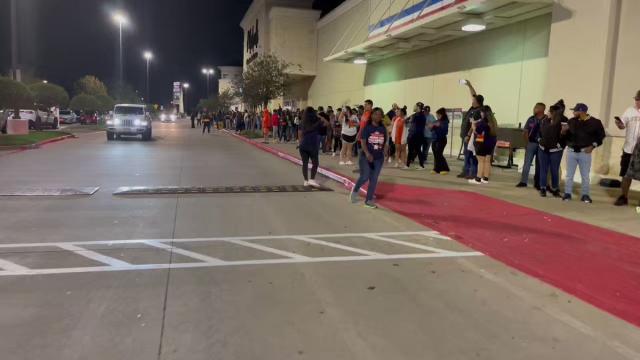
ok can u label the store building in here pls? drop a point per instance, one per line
(416, 50)
(229, 75)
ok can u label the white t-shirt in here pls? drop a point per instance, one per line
(631, 121)
(350, 130)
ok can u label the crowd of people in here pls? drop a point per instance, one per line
(366, 136)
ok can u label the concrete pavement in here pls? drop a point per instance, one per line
(425, 308)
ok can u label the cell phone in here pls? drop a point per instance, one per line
(617, 118)
(463, 82)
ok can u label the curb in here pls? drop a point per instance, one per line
(17, 149)
(345, 181)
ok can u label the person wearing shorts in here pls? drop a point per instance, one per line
(348, 133)
(630, 123)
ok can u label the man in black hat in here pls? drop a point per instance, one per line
(584, 133)
(630, 123)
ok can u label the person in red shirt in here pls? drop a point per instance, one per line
(275, 122)
(368, 105)
(266, 124)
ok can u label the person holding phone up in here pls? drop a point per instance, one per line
(584, 133)
(630, 122)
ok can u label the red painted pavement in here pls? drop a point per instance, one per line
(599, 266)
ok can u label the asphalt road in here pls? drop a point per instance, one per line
(253, 276)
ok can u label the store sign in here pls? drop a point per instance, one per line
(420, 11)
(177, 93)
(253, 42)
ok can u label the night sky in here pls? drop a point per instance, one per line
(62, 40)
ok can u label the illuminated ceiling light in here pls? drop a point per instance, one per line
(361, 60)
(474, 25)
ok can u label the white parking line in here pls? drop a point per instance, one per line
(9, 268)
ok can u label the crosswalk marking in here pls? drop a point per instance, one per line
(11, 268)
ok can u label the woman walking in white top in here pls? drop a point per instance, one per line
(349, 131)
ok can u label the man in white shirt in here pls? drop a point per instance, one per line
(630, 122)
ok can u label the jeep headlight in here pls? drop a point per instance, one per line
(109, 122)
(163, 116)
(173, 117)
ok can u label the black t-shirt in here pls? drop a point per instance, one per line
(465, 127)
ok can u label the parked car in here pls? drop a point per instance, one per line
(129, 119)
(89, 119)
(39, 119)
(68, 117)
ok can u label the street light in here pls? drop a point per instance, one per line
(148, 56)
(122, 20)
(45, 82)
(208, 72)
(185, 86)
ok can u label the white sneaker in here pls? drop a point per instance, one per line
(341, 163)
(349, 162)
(306, 183)
(474, 181)
(389, 161)
(484, 181)
(333, 155)
(313, 183)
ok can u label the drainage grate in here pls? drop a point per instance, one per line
(149, 190)
(49, 191)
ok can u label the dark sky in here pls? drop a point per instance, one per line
(62, 40)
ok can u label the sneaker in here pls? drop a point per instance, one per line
(475, 181)
(566, 197)
(556, 193)
(485, 180)
(543, 192)
(444, 172)
(333, 155)
(354, 197)
(313, 183)
(306, 183)
(521, 185)
(462, 176)
(586, 199)
(341, 163)
(621, 201)
(390, 159)
(432, 172)
(349, 162)
(405, 167)
(370, 205)
(420, 168)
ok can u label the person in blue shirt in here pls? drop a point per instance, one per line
(430, 120)
(532, 136)
(440, 131)
(416, 136)
(375, 147)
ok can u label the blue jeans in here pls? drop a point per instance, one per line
(470, 164)
(583, 161)
(529, 155)
(368, 172)
(426, 145)
(549, 162)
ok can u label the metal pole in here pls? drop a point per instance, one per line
(207, 84)
(15, 73)
(148, 98)
(121, 57)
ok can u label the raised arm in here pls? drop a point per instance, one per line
(472, 90)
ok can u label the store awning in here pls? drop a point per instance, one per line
(432, 22)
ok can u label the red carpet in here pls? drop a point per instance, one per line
(599, 266)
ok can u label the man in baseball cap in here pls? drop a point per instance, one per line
(583, 134)
(630, 123)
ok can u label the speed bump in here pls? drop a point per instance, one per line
(240, 189)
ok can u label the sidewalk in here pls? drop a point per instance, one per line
(596, 265)
(601, 213)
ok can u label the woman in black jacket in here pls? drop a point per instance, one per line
(551, 148)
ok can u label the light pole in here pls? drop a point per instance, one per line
(148, 56)
(185, 86)
(121, 20)
(15, 72)
(208, 72)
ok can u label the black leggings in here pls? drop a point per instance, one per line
(440, 163)
(414, 149)
(306, 155)
(337, 144)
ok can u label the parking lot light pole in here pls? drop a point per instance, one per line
(185, 86)
(208, 72)
(148, 56)
(121, 20)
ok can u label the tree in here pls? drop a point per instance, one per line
(84, 102)
(49, 95)
(14, 95)
(106, 103)
(265, 79)
(210, 104)
(226, 99)
(90, 85)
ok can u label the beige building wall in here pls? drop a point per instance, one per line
(593, 58)
(293, 38)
